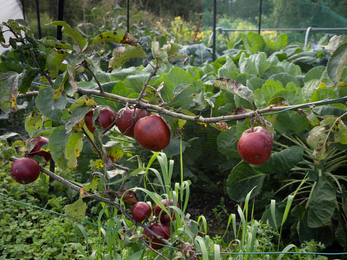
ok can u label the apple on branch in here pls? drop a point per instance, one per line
(255, 146)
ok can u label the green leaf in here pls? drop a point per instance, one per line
(253, 42)
(291, 122)
(261, 63)
(26, 78)
(336, 63)
(33, 122)
(113, 36)
(76, 116)
(122, 54)
(171, 48)
(241, 180)
(309, 88)
(314, 73)
(57, 145)
(322, 204)
(8, 95)
(266, 93)
(136, 256)
(53, 42)
(227, 143)
(54, 60)
(281, 162)
(181, 95)
(234, 87)
(176, 77)
(159, 54)
(76, 36)
(76, 209)
(179, 56)
(114, 150)
(285, 78)
(73, 148)
(323, 94)
(89, 187)
(228, 70)
(46, 105)
(200, 101)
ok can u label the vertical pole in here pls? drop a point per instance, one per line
(127, 15)
(23, 10)
(38, 18)
(260, 10)
(214, 29)
(60, 18)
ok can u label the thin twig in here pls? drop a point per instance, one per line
(155, 251)
(85, 64)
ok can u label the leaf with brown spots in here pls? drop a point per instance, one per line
(111, 36)
(125, 53)
(129, 39)
(188, 249)
(234, 87)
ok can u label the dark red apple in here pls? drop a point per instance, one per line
(125, 120)
(106, 119)
(164, 217)
(141, 210)
(255, 147)
(152, 133)
(159, 229)
(39, 142)
(25, 170)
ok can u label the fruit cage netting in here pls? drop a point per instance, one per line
(175, 248)
(296, 18)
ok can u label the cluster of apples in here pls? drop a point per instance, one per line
(149, 130)
(141, 211)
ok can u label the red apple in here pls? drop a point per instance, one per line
(255, 147)
(141, 210)
(25, 170)
(164, 217)
(106, 119)
(125, 120)
(39, 142)
(152, 133)
(159, 229)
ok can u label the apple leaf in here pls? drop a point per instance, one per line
(234, 87)
(158, 53)
(122, 54)
(53, 42)
(76, 118)
(33, 122)
(114, 150)
(26, 77)
(318, 137)
(281, 162)
(57, 145)
(181, 95)
(76, 209)
(47, 106)
(241, 180)
(8, 95)
(171, 48)
(179, 56)
(113, 36)
(75, 35)
(89, 187)
(73, 149)
(54, 60)
(336, 63)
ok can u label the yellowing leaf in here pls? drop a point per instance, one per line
(76, 209)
